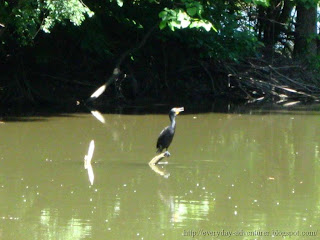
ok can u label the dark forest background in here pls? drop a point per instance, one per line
(60, 52)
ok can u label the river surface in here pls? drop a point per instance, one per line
(252, 174)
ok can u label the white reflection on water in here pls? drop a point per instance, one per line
(98, 116)
(262, 157)
(74, 229)
(183, 209)
(117, 208)
(87, 162)
(190, 210)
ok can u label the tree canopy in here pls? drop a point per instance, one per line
(161, 45)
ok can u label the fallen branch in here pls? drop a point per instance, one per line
(257, 79)
(116, 71)
(158, 158)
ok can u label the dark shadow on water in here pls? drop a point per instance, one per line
(37, 114)
(132, 164)
(23, 119)
(35, 118)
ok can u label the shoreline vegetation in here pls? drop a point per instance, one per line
(191, 52)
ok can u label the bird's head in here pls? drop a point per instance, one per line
(175, 111)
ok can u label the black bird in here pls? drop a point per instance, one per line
(166, 135)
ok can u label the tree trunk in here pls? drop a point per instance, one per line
(273, 21)
(305, 44)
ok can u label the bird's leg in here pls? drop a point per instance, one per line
(167, 154)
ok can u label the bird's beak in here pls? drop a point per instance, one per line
(178, 110)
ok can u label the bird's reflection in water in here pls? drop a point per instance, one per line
(156, 168)
(169, 201)
(183, 209)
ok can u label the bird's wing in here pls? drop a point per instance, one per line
(163, 131)
(161, 135)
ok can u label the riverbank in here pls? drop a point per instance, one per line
(62, 82)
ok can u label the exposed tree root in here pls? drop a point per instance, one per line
(256, 80)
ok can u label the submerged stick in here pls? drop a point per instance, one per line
(153, 164)
(159, 157)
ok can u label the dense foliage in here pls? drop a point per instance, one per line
(58, 50)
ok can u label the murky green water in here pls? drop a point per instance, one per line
(250, 174)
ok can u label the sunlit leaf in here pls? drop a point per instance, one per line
(171, 26)
(264, 3)
(179, 18)
(204, 24)
(185, 23)
(120, 3)
(58, 11)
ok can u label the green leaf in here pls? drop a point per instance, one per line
(162, 24)
(171, 27)
(163, 14)
(192, 11)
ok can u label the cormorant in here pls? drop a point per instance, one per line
(166, 135)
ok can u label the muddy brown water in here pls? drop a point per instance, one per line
(249, 175)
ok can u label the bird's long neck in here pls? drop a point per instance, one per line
(173, 122)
